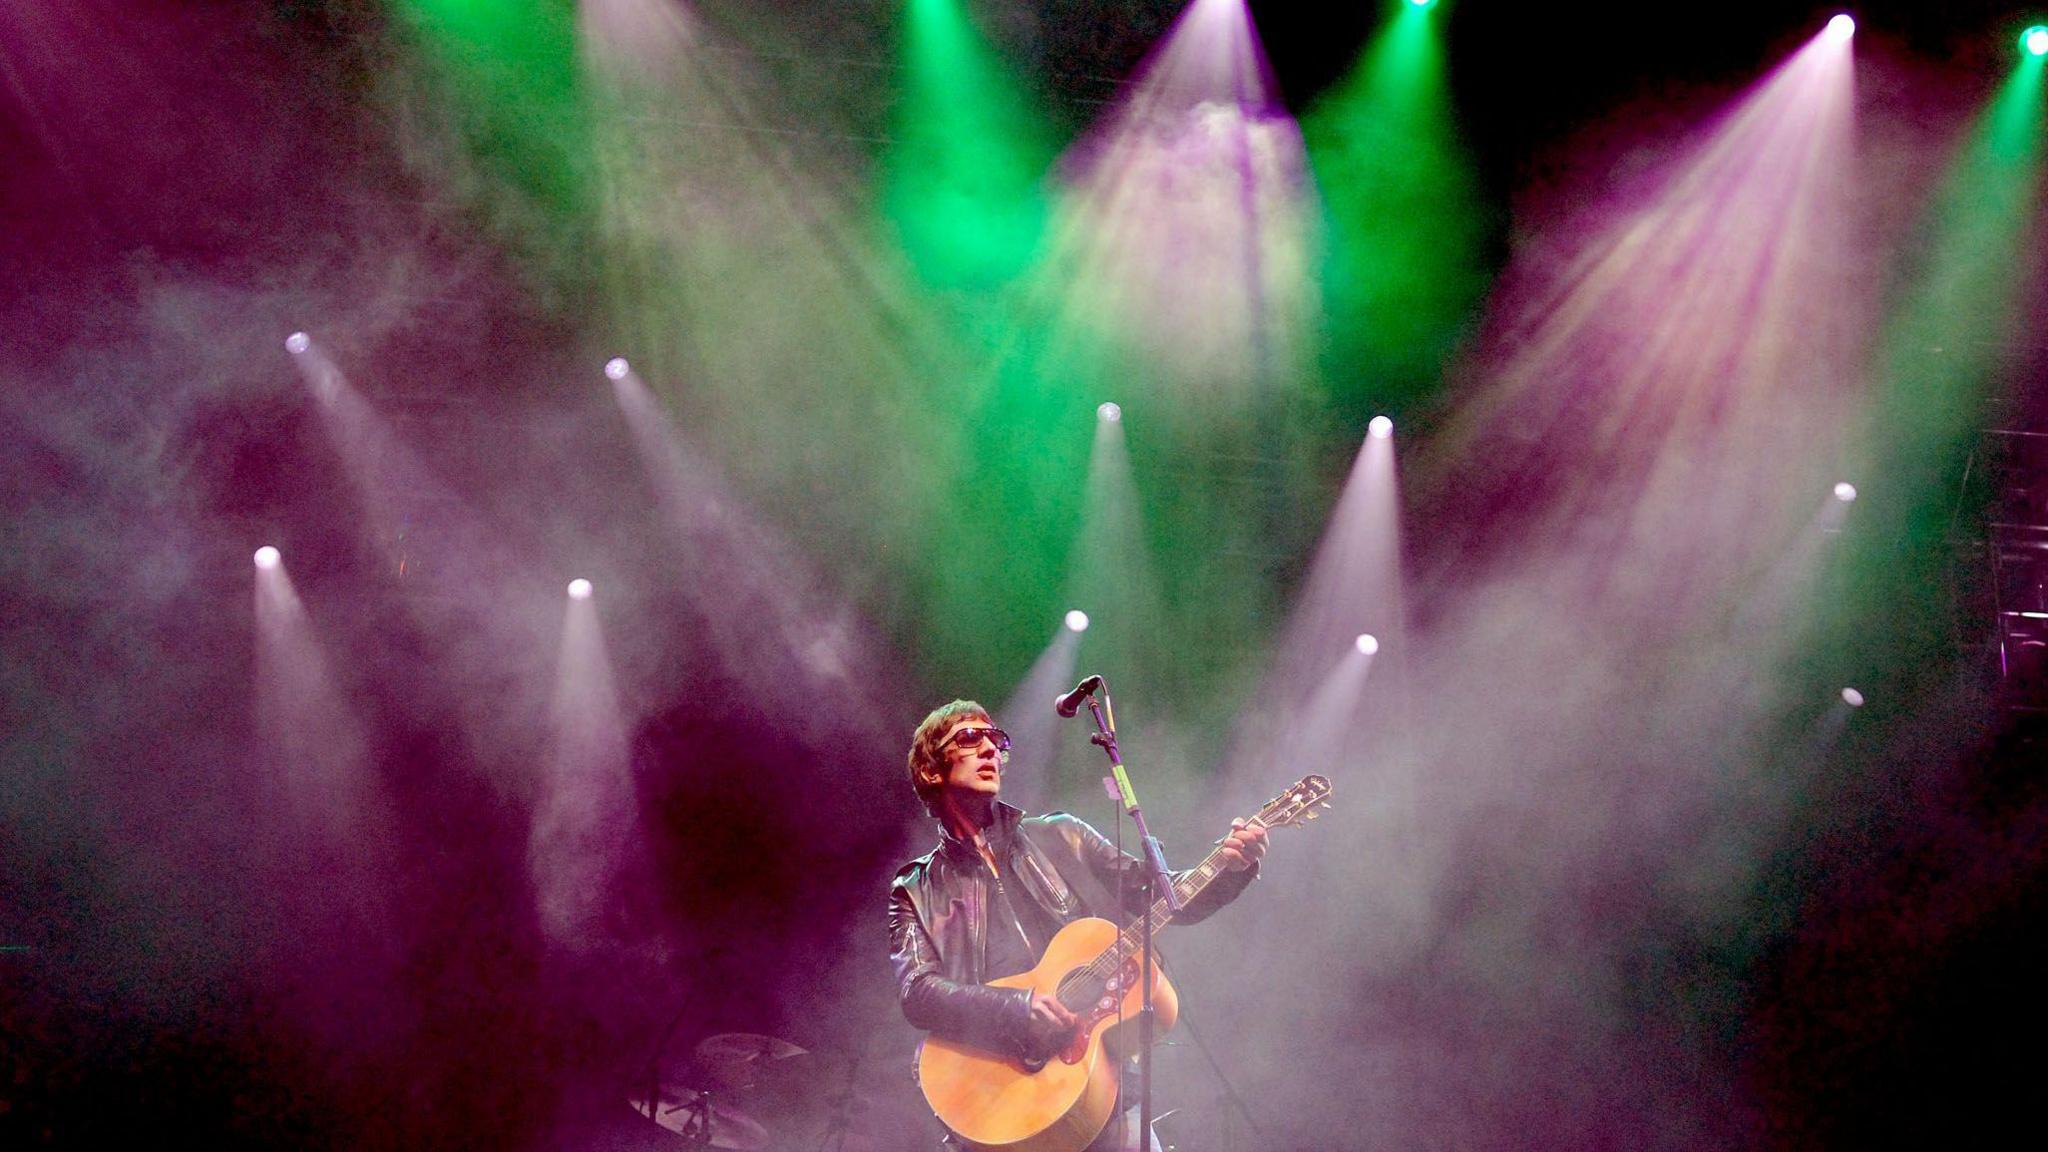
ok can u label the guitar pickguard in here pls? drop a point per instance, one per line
(1104, 1008)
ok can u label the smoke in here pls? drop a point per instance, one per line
(1538, 911)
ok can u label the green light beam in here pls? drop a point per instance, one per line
(507, 69)
(1938, 361)
(964, 173)
(1940, 350)
(1404, 263)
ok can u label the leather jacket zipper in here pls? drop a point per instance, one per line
(1011, 905)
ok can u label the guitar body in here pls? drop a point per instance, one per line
(997, 1104)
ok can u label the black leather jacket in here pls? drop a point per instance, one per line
(938, 918)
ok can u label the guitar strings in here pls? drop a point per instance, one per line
(1095, 974)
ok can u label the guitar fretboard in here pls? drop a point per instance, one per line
(1190, 884)
(1187, 886)
(1085, 984)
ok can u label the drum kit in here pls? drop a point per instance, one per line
(748, 1092)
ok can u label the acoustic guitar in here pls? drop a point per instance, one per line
(995, 1103)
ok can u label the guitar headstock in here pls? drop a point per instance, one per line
(1298, 805)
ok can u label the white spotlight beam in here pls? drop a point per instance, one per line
(583, 844)
(1027, 715)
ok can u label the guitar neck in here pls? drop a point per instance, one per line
(1084, 985)
(1188, 886)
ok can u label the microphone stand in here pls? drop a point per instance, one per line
(1158, 875)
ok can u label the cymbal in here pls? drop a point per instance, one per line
(734, 1059)
(704, 1121)
(734, 1047)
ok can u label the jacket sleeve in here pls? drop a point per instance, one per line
(983, 1015)
(1107, 863)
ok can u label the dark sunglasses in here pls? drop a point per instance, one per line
(970, 737)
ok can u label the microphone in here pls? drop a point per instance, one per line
(1070, 703)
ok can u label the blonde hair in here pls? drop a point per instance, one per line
(927, 761)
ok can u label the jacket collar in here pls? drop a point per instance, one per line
(999, 834)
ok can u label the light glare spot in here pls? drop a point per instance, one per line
(1380, 427)
(616, 368)
(1077, 621)
(1845, 492)
(2035, 41)
(1109, 412)
(1852, 698)
(268, 557)
(579, 589)
(297, 343)
(1842, 26)
(1367, 644)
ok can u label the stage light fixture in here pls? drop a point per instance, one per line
(1852, 698)
(1842, 26)
(1380, 427)
(2034, 41)
(268, 557)
(1367, 643)
(616, 368)
(1077, 621)
(1109, 412)
(297, 343)
(1422, 3)
(579, 589)
(1845, 491)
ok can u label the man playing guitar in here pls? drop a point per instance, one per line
(984, 904)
